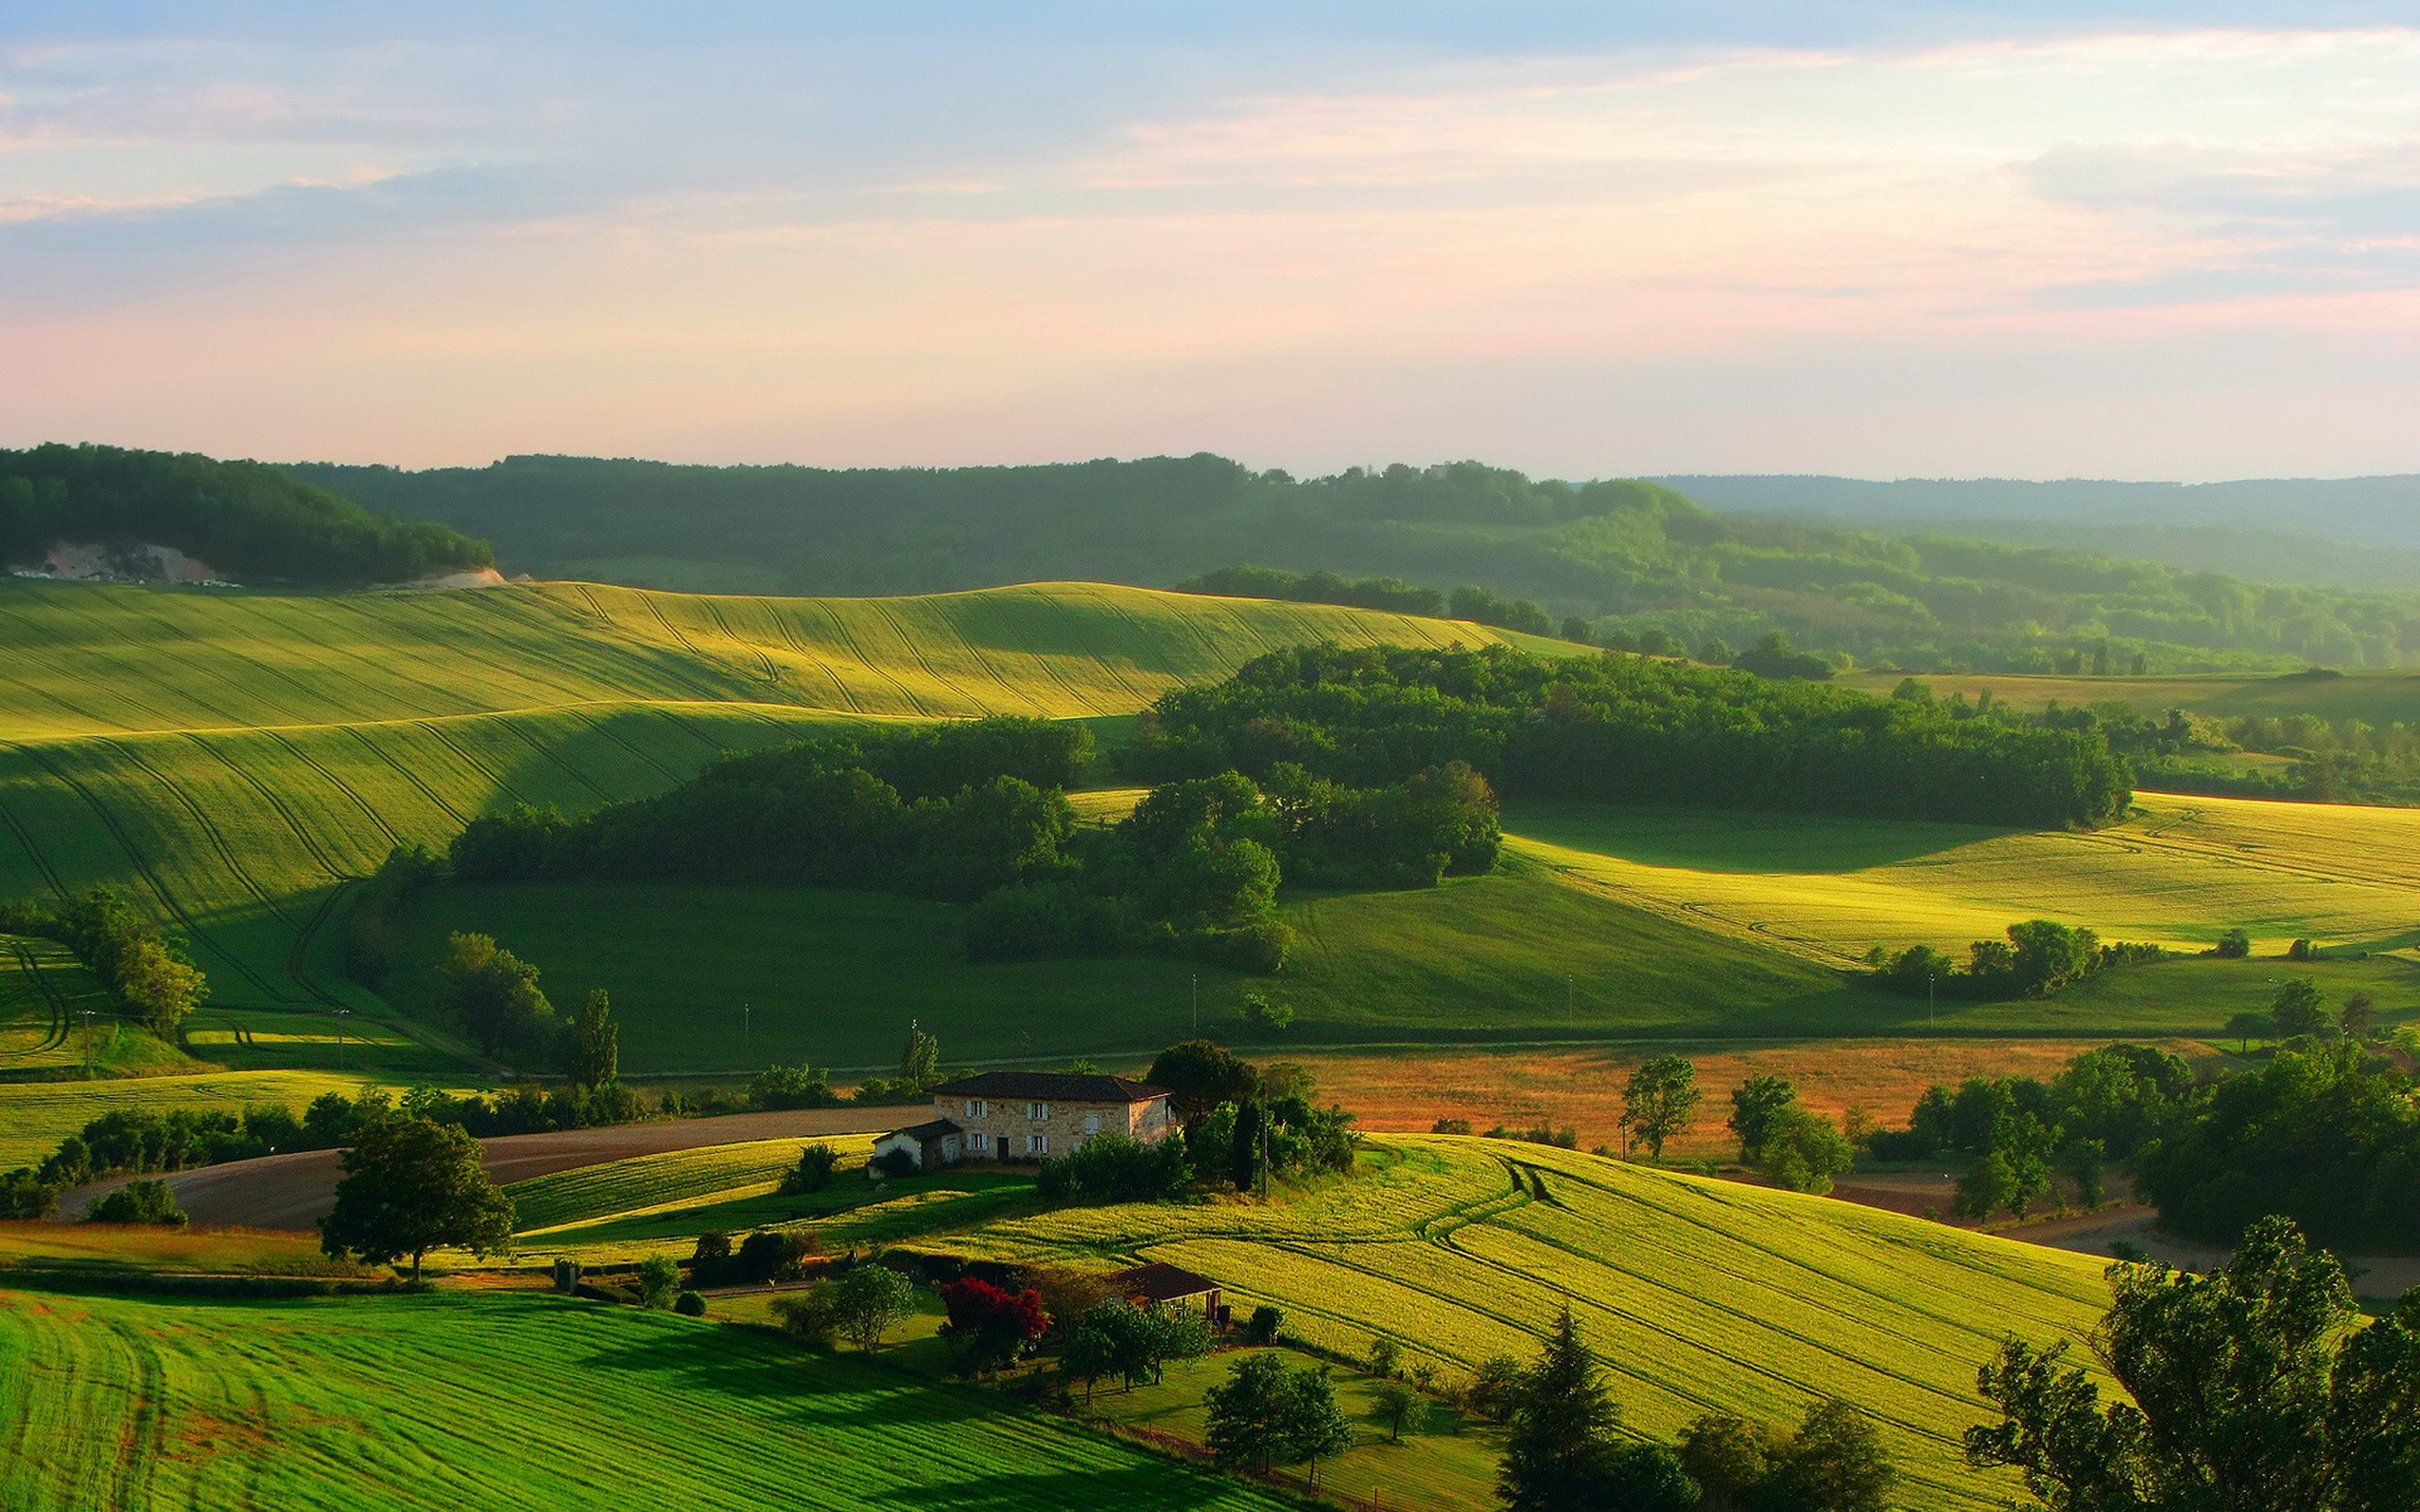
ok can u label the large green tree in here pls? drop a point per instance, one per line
(1661, 1100)
(411, 1186)
(2256, 1388)
(1563, 1425)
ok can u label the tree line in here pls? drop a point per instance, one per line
(246, 519)
(2038, 957)
(1623, 729)
(148, 974)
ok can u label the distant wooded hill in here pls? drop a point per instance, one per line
(1629, 557)
(2330, 532)
(248, 519)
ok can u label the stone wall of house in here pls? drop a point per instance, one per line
(1064, 1125)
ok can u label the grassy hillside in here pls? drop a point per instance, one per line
(833, 977)
(1701, 1294)
(2176, 872)
(510, 1403)
(1601, 921)
(35, 1116)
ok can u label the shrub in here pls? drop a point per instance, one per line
(1494, 1388)
(813, 1172)
(1116, 1168)
(781, 1086)
(1450, 1125)
(659, 1280)
(1264, 1325)
(772, 1255)
(894, 1162)
(2233, 945)
(1264, 1017)
(689, 1304)
(150, 1202)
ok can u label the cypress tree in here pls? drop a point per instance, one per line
(1562, 1427)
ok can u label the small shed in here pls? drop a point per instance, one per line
(931, 1144)
(1165, 1283)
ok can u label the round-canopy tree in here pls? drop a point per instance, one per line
(409, 1186)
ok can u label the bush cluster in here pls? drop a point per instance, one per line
(2038, 957)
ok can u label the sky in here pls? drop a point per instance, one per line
(2167, 240)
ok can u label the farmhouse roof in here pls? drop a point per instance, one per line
(1161, 1283)
(930, 1129)
(1050, 1086)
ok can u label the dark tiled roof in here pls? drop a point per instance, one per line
(1162, 1282)
(1051, 1087)
(932, 1129)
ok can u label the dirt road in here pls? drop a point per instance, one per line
(293, 1191)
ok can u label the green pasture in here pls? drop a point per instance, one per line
(1701, 1294)
(512, 1403)
(120, 1248)
(56, 1020)
(855, 1210)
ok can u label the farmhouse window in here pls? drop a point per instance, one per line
(979, 1140)
(1037, 1111)
(977, 1108)
(1037, 1144)
(1092, 1123)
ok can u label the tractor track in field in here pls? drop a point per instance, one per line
(277, 801)
(33, 852)
(40, 987)
(813, 658)
(436, 800)
(842, 632)
(915, 648)
(206, 825)
(368, 810)
(981, 658)
(151, 877)
(773, 669)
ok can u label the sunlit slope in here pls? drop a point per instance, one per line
(85, 658)
(2177, 873)
(1701, 1295)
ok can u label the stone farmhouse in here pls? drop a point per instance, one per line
(1029, 1116)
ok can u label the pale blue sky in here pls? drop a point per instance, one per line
(2158, 241)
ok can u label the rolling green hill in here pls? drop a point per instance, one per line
(507, 1402)
(230, 760)
(2373, 698)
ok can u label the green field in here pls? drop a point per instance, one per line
(2373, 698)
(1701, 1294)
(35, 1116)
(503, 1402)
(645, 1183)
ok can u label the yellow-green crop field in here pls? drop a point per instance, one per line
(512, 1403)
(645, 1183)
(2177, 873)
(36, 1115)
(1701, 1294)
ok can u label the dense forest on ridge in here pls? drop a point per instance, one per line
(1629, 557)
(251, 521)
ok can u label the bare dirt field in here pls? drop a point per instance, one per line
(1581, 1087)
(293, 1191)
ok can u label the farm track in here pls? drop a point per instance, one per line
(40, 986)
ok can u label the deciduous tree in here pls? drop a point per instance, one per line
(1660, 1101)
(411, 1186)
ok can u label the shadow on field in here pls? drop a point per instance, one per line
(1142, 1486)
(1740, 840)
(819, 1390)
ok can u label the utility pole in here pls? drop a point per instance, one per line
(747, 1023)
(1263, 1153)
(341, 1062)
(1930, 981)
(88, 1044)
(1197, 1004)
(1571, 1002)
